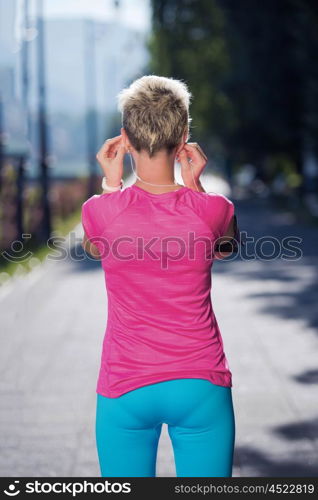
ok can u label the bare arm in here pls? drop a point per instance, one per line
(87, 245)
(229, 235)
(230, 232)
(90, 247)
(110, 157)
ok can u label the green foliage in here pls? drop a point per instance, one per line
(251, 68)
(38, 253)
(182, 46)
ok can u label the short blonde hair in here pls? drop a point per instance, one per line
(155, 112)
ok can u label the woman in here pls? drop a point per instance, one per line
(162, 358)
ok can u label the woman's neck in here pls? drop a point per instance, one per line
(158, 170)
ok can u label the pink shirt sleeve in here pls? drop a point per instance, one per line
(91, 220)
(221, 211)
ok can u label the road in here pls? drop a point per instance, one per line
(53, 321)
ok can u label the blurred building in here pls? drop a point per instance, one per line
(13, 113)
(120, 55)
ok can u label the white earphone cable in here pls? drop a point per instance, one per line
(161, 185)
(194, 182)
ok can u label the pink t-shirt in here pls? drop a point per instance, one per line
(157, 253)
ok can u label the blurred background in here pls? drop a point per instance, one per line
(62, 64)
(253, 73)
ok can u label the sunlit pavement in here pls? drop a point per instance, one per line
(54, 320)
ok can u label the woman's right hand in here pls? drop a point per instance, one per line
(111, 159)
(193, 161)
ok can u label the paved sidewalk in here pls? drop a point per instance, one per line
(53, 323)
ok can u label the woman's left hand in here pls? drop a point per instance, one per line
(191, 155)
(111, 159)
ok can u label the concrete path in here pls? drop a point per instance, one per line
(52, 326)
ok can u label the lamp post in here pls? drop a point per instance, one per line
(42, 124)
(1, 141)
(91, 118)
(24, 69)
(19, 201)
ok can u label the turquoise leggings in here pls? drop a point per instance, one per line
(201, 426)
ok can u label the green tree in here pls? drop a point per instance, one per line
(251, 67)
(182, 46)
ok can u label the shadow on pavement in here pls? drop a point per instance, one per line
(305, 429)
(299, 464)
(308, 377)
(259, 464)
(297, 296)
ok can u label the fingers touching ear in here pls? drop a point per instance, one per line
(125, 138)
(180, 149)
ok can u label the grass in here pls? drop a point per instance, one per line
(39, 252)
(63, 226)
